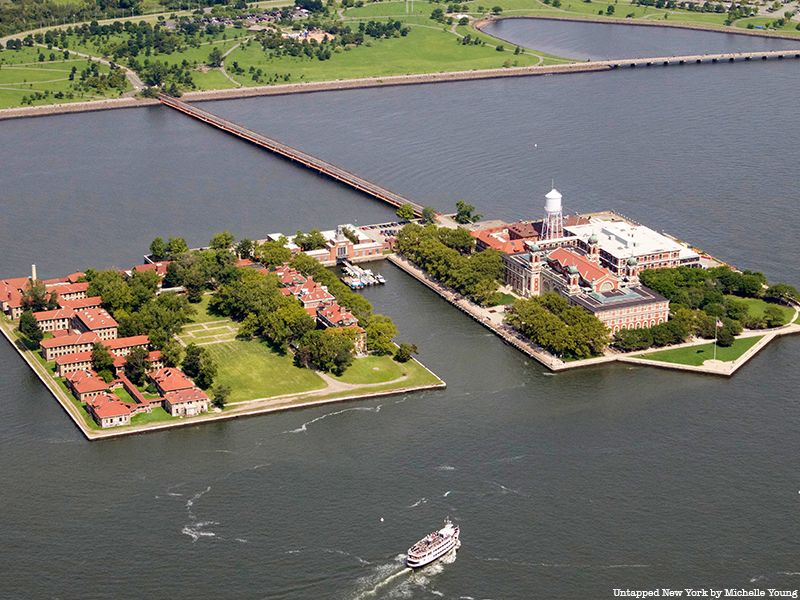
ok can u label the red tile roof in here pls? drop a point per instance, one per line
(588, 270)
(160, 268)
(171, 379)
(81, 303)
(68, 288)
(75, 357)
(499, 241)
(51, 315)
(85, 382)
(186, 395)
(69, 340)
(96, 318)
(106, 406)
(11, 290)
(127, 342)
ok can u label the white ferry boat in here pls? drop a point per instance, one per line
(433, 546)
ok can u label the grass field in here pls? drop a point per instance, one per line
(123, 395)
(22, 74)
(202, 314)
(697, 355)
(756, 306)
(156, 415)
(253, 370)
(373, 369)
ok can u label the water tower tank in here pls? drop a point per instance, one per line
(552, 202)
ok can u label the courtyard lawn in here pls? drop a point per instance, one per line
(756, 306)
(697, 355)
(253, 370)
(156, 415)
(123, 395)
(202, 313)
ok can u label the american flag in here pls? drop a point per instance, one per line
(720, 323)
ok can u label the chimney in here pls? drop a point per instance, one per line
(33, 273)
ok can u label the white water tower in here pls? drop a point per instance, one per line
(553, 226)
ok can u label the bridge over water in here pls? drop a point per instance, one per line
(298, 156)
(699, 58)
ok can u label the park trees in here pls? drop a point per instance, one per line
(564, 330)
(214, 58)
(329, 350)
(29, 328)
(199, 365)
(158, 249)
(380, 333)
(273, 253)
(429, 215)
(404, 352)
(222, 241)
(221, 394)
(245, 247)
(405, 212)
(465, 213)
(175, 247)
(137, 364)
(313, 240)
(112, 286)
(36, 298)
(781, 292)
(103, 362)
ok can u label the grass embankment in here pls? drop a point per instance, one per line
(757, 306)
(23, 75)
(697, 355)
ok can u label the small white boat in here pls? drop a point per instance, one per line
(434, 546)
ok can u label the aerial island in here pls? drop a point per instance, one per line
(124, 53)
(252, 326)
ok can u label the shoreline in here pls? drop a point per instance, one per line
(91, 434)
(710, 27)
(554, 364)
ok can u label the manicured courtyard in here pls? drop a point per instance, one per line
(697, 355)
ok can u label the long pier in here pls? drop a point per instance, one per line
(699, 58)
(307, 160)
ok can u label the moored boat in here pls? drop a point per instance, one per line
(434, 545)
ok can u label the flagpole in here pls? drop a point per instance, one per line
(716, 327)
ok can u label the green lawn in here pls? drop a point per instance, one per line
(123, 395)
(22, 74)
(253, 370)
(764, 22)
(202, 314)
(697, 355)
(756, 306)
(424, 50)
(373, 369)
(156, 415)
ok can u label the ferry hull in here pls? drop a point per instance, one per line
(416, 563)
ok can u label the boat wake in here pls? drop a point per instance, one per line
(304, 427)
(395, 580)
(418, 502)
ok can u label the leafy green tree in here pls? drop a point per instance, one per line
(773, 316)
(380, 333)
(222, 241)
(328, 350)
(113, 287)
(429, 215)
(103, 362)
(404, 352)
(610, 10)
(465, 213)
(437, 14)
(176, 246)
(171, 353)
(725, 337)
(781, 292)
(273, 254)
(214, 58)
(313, 240)
(137, 364)
(35, 296)
(457, 239)
(221, 394)
(244, 249)
(158, 248)
(199, 366)
(29, 327)
(143, 286)
(405, 212)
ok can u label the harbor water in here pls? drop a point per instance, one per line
(564, 486)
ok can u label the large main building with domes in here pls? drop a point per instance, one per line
(593, 261)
